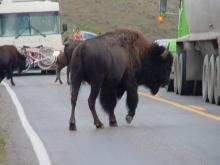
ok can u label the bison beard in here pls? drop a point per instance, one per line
(114, 63)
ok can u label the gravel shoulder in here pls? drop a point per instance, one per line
(19, 150)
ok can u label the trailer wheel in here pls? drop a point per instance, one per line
(175, 77)
(211, 74)
(169, 86)
(205, 78)
(217, 81)
(184, 87)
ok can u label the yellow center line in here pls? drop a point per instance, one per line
(181, 106)
(196, 107)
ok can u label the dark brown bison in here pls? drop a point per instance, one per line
(10, 60)
(63, 59)
(114, 63)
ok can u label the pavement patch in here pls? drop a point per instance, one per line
(36, 142)
(181, 106)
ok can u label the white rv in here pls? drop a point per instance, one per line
(31, 23)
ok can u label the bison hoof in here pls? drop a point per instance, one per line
(129, 119)
(99, 125)
(72, 127)
(113, 123)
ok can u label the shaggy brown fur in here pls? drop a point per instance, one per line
(132, 41)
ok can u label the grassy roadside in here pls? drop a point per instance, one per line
(2, 148)
(105, 15)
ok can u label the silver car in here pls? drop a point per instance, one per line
(87, 35)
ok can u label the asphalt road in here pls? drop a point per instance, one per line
(167, 129)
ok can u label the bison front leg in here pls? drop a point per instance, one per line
(2, 75)
(10, 75)
(132, 100)
(92, 100)
(112, 120)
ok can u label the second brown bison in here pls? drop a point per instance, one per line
(114, 63)
(10, 60)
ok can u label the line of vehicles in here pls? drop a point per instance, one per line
(196, 68)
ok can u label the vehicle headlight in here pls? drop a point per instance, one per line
(56, 53)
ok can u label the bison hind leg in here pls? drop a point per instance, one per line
(108, 101)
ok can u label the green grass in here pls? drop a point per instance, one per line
(2, 148)
(106, 15)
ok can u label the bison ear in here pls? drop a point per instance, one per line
(166, 52)
(168, 46)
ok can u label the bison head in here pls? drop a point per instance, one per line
(156, 68)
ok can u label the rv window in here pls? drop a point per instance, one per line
(46, 23)
(29, 24)
(13, 24)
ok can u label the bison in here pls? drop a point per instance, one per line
(114, 63)
(10, 60)
(63, 59)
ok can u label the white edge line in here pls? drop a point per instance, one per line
(36, 142)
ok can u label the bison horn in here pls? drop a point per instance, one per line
(164, 54)
(168, 46)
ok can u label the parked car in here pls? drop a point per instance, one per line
(87, 35)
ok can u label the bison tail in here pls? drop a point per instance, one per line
(107, 99)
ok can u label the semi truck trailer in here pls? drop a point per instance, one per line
(196, 66)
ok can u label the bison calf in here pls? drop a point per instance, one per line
(60, 64)
(10, 60)
(63, 59)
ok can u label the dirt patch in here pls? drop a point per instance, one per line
(106, 15)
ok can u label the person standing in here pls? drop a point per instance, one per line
(77, 34)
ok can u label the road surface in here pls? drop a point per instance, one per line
(167, 129)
